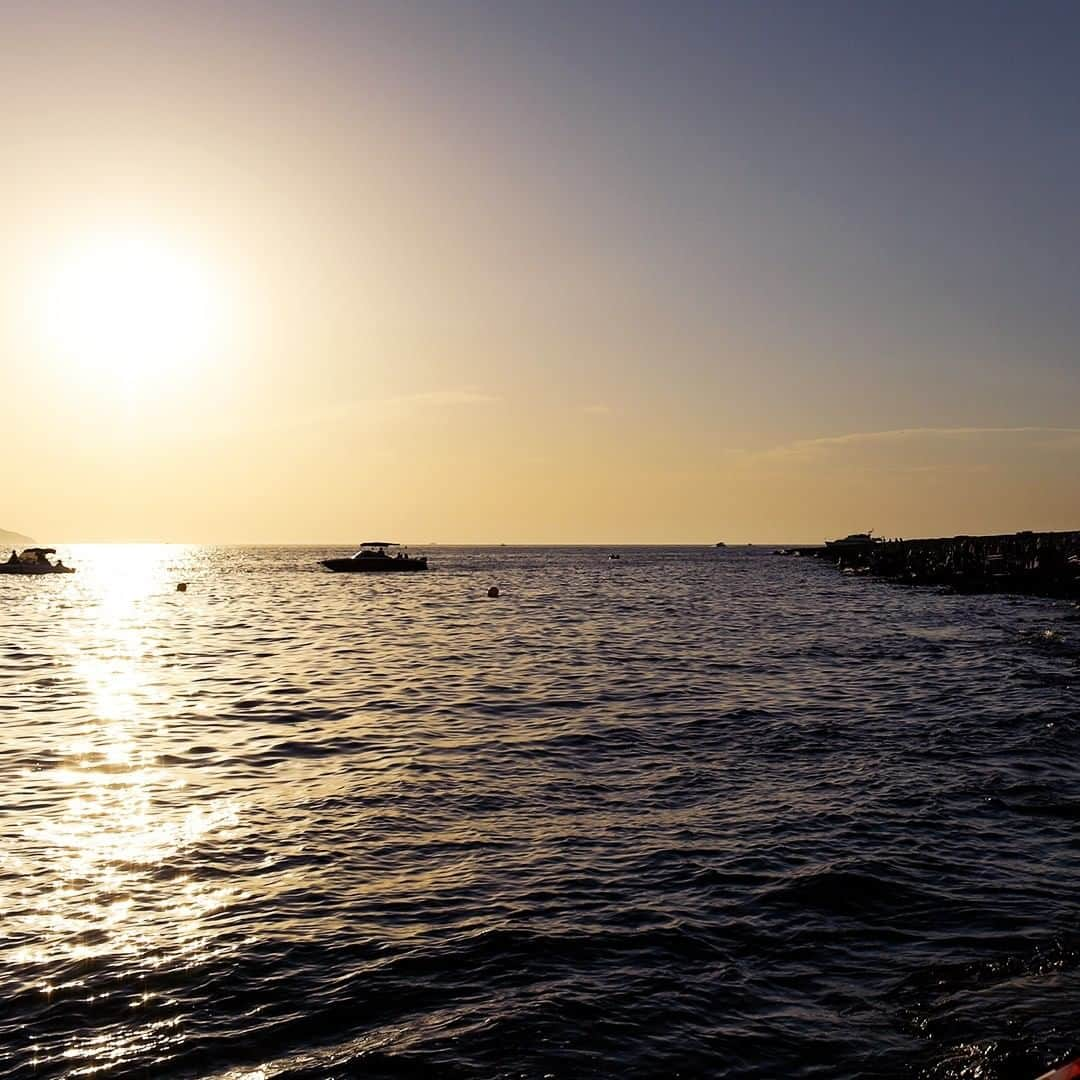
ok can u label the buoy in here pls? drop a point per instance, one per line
(493, 591)
(182, 587)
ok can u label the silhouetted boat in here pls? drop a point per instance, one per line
(34, 560)
(720, 543)
(372, 558)
(853, 540)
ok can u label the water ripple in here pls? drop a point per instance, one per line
(692, 813)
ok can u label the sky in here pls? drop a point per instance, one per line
(554, 272)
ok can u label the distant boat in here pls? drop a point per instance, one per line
(372, 558)
(720, 543)
(853, 540)
(35, 560)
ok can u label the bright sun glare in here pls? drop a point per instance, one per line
(130, 306)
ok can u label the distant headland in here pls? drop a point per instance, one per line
(14, 539)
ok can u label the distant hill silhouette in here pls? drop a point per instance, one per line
(14, 539)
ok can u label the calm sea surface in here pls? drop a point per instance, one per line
(691, 813)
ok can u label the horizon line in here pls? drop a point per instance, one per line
(709, 544)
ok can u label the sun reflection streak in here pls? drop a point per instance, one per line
(110, 883)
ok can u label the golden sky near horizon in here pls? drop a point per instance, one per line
(303, 273)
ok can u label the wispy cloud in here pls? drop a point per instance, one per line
(445, 397)
(806, 449)
(385, 409)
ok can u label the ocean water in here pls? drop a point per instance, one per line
(691, 813)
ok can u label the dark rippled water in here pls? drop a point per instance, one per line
(691, 813)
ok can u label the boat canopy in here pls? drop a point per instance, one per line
(378, 543)
(39, 551)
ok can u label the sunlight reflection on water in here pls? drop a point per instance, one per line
(295, 823)
(108, 866)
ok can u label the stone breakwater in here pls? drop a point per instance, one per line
(1034, 563)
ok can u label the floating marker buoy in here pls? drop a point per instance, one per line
(182, 587)
(493, 591)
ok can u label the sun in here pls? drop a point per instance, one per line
(135, 307)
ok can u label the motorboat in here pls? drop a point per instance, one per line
(374, 558)
(35, 560)
(854, 551)
(853, 540)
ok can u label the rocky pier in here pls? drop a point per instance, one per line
(1034, 563)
